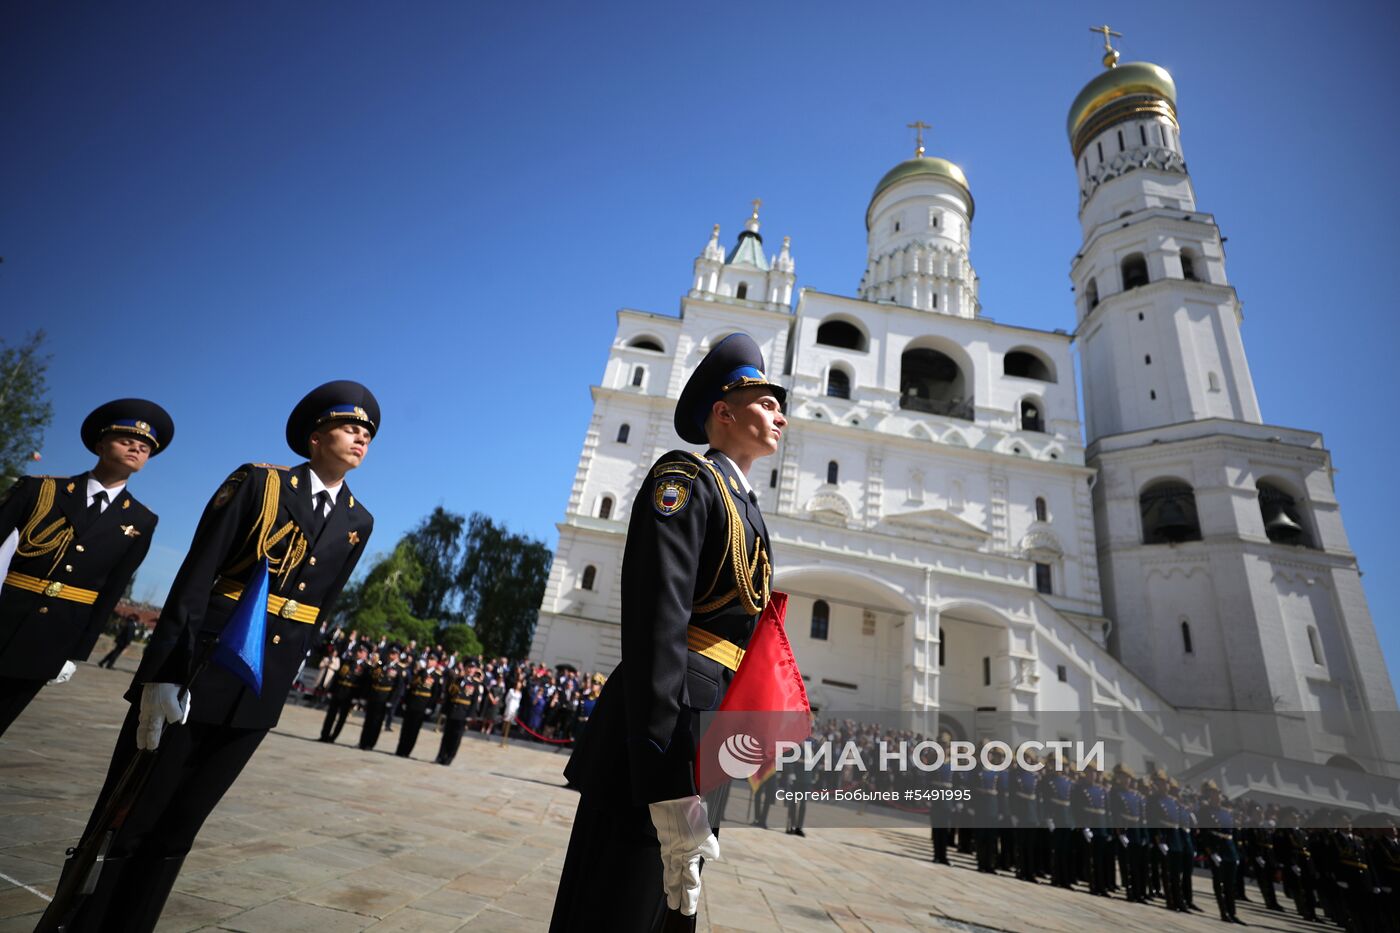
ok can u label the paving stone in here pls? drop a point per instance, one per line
(324, 839)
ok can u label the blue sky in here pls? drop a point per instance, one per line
(221, 206)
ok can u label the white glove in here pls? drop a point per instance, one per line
(161, 705)
(683, 828)
(64, 675)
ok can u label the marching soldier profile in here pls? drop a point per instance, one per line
(73, 545)
(382, 682)
(458, 703)
(420, 696)
(349, 685)
(695, 577)
(310, 529)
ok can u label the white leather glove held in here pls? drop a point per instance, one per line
(160, 706)
(683, 829)
(66, 674)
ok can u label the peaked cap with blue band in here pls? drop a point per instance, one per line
(134, 416)
(734, 363)
(339, 401)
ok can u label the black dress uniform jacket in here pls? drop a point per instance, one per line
(259, 508)
(677, 571)
(57, 545)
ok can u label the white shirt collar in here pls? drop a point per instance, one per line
(318, 487)
(94, 487)
(743, 480)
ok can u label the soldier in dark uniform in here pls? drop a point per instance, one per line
(1293, 846)
(1164, 820)
(1090, 816)
(76, 544)
(1218, 840)
(422, 694)
(458, 702)
(310, 529)
(350, 684)
(695, 577)
(383, 681)
(941, 805)
(988, 789)
(1025, 814)
(125, 636)
(1059, 796)
(1125, 807)
(1186, 858)
(406, 668)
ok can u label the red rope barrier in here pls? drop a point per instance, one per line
(519, 722)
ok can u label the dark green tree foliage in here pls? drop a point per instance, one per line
(502, 579)
(24, 405)
(437, 543)
(460, 639)
(382, 604)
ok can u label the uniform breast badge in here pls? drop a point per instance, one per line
(354, 537)
(734, 485)
(71, 486)
(671, 495)
(130, 531)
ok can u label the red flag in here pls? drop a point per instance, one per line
(766, 703)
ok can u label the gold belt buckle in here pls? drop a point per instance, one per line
(53, 589)
(289, 609)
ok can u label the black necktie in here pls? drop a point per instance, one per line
(323, 498)
(94, 509)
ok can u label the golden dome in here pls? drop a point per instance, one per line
(923, 165)
(1150, 84)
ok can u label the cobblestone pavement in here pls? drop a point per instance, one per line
(329, 839)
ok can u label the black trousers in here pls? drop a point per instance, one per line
(336, 714)
(374, 722)
(109, 659)
(15, 694)
(197, 764)
(408, 732)
(612, 871)
(1224, 883)
(452, 731)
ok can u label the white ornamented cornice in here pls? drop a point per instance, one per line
(1158, 157)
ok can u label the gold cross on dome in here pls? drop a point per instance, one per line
(1110, 54)
(918, 126)
(757, 203)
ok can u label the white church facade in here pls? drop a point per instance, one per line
(951, 536)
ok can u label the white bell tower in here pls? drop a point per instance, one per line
(1225, 566)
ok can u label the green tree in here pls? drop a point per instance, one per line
(437, 543)
(460, 639)
(381, 604)
(24, 405)
(502, 579)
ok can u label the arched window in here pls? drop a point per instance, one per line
(1042, 514)
(1134, 270)
(933, 382)
(623, 433)
(986, 672)
(1031, 417)
(1186, 637)
(742, 291)
(1283, 521)
(590, 573)
(838, 384)
(1091, 293)
(1043, 582)
(1027, 365)
(833, 472)
(646, 343)
(821, 619)
(638, 375)
(1315, 645)
(772, 479)
(942, 648)
(1188, 266)
(1168, 509)
(605, 507)
(841, 334)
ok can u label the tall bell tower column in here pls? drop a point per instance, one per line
(1225, 566)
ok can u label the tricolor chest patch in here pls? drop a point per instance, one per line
(670, 494)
